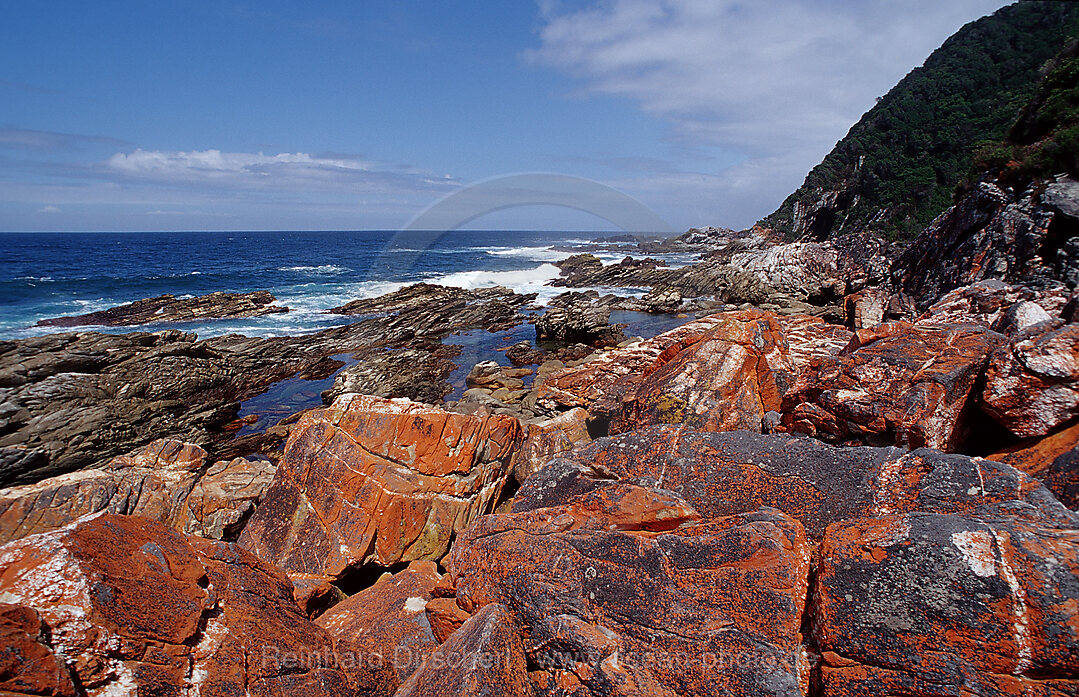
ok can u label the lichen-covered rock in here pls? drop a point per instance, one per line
(897, 384)
(1062, 478)
(549, 438)
(1035, 455)
(721, 474)
(483, 658)
(371, 480)
(134, 607)
(27, 665)
(698, 610)
(724, 380)
(385, 627)
(866, 308)
(1032, 385)
(947, 604)
(167, 480)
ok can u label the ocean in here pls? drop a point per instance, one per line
(46, 275)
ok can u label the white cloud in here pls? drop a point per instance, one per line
(49, 209)
(778, 82)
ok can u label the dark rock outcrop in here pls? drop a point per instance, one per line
(169, 308)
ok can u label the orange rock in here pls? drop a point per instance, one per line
(948, 604)
(1032, 385)
(372, 480)
(1034, 456)
(720, 474)
(445, 617)
(167, 481)
(894, 384)
(27, 664)
(698, 610)
(137, 607)
(385, 627)
(866, 308)
(725, 380)
(484, 657)
(549, 438)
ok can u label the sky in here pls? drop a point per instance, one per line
(282, 115)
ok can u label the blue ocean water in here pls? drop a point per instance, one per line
(46, 275)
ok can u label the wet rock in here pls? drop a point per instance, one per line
(523, 353)
(169, 308)
(69, 401)
(430, 310)
(386, 628)
(947, 604)
(579, 321)
(134, 607)
(419, 374)
(484, 657)
(379, 481)
(167, 481)
(895, 384)
(1032, 385)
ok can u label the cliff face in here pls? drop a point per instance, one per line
(898, 166)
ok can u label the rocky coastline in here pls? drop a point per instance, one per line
(852, 470)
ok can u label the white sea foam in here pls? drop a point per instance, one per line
(523, 281)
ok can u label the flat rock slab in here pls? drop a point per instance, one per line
(169, 308)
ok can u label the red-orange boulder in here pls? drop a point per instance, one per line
(724, 380)
(372, 480)
(696, 610)
(135, 607)
(546, 439)
(384, 628)
(484, 657)
(896, 385)
(930, 604)
(27, 665)
(1032, 385)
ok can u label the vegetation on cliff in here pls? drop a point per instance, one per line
(899, 165)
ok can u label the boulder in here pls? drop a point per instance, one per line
(167, 481)
(721, 474)
(28, 665)
(866, 308)
(578, 320)
(379, 481)
(549, 438)
(484, 657)
(386, 628)
(1062, 478)
(1034, 455)
(134, 607)
(895, 384)
(169, 308)
(723, 380)
(696, 610)
(1032, 385)
(947, 604)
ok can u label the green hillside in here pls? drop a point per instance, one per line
(899, 165)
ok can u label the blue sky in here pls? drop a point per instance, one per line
(185, 115)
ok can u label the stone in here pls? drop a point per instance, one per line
(376, 481)
(866, 308)
(721, 474)
(947, 604)
(895, 384)
(697, 610)
(1062, 478)
(1034, 455)
(167, 481)
(484, 657)
(578, 320)
(386, 627)
(27, 663)
(169, 308)
(722, 381)
(1032, 385)
(445, 617)
(549, 438)
(135, 607)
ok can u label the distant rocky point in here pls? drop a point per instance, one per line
(169, 308)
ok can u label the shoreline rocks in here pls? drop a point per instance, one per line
(169, 308)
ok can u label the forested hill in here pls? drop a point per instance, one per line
(899, 166)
